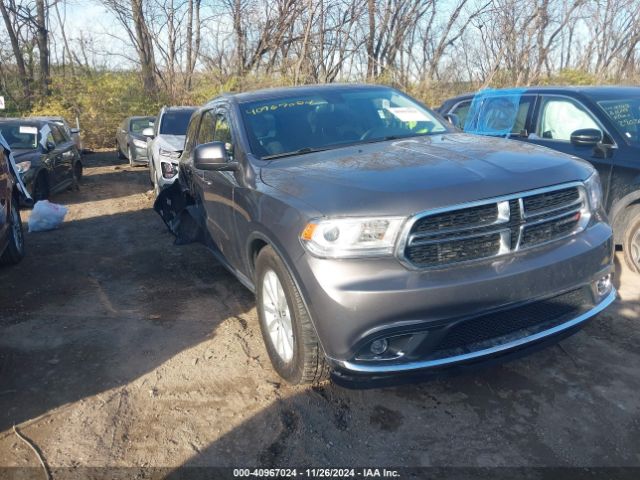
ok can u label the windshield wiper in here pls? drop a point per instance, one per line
(301, 151)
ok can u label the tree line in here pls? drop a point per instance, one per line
(178, 49)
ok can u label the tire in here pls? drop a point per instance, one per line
(40, 188)
(119, 152)
(631, 239)
(131, 162)
(15, 249)
(152, 173)
(301, 360)
(77, 173)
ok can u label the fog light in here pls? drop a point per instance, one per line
(378, 347)
(603, 285)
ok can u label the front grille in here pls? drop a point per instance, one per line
(484, 331)
(495, 227)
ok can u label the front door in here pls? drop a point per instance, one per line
(62, 156)
(557, 118)
(216, 188)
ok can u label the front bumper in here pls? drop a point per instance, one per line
(355, 302)
(569, 326)
(139, 154)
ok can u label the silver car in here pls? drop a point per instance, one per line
(381, 241)
(130, 142)
(165, 142)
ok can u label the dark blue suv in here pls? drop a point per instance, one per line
(598, 124)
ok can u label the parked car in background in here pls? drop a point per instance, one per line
(47, 159)
(72, 132)
(130, 142)
(165, 142)
(598, 124)
(11, 192)
(380, 241)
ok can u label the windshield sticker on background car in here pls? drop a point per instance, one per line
(408, 114)
(28, 130)
(626, 115)
(494, 112)
(276, 106)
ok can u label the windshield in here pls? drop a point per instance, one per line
(330, 119)
(625, 114)
(137, 125)
(19, 136)
(176, 122)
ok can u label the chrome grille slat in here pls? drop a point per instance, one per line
(577, 203)
(493, 227)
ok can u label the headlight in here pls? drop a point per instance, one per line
(594, 190)
(140, 143)
(169, 153)
(22, 167)
(351, 237)
(169, 170)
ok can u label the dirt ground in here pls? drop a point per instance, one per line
(118, 348)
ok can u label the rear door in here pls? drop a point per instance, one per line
(557, 117)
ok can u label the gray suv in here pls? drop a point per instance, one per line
(379, 241)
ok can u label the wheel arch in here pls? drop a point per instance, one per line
(258, 240)
(618, 214)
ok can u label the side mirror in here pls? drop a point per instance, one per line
(586, 137)
(148, 132)
(75, 130)
(453, 119)
(212, 156)
(49, 146)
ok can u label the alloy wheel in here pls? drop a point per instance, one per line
(16, 229)
(635, 248)
(277, 316)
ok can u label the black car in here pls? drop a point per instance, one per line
(598, 124)
(130, 142)
(11, 193)
(46, 157)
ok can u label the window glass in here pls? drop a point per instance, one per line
(502, 114)
(331, 119)
(625, 114)
(462, 110)
(223, 133)
(137, 125)
(207, 127)
(560, 117)
(19, 136)
(192, 133)
(58, 137)
(175, 122)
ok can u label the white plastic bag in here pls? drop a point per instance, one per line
(46, 216)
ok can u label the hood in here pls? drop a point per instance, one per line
(170, 142)
(409, 176)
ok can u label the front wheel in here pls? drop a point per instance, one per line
(289, 335)
(15, 249)
(119, 152)
(631, 240)
(40, 188)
